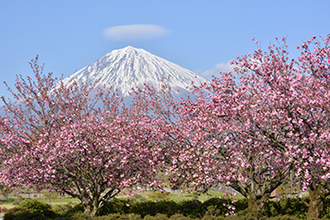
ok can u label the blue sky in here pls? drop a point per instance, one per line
(198, 35)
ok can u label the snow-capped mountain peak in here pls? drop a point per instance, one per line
(127, 68)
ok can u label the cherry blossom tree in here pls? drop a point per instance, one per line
(312, 119)
(73, 140)
(299, 92)
(252, 131)
(218, 142)
(204, 148)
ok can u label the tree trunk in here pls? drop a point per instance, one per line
(90, 210)
(91, 207)
(317, 196)
(92, 202)
(257, 202)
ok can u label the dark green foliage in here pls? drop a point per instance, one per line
(115, 216)
(248, 214)
(35, 206)
(179, 217)
(291, 206)
(166, 207)
(191, 208)
(78, 208)
(106, 209)
(284, 217)
(156, 217)
(125, 206)
(152, 208)
(80, 216)
(122, 206)
(212, 209)
(209, 217)
(145, 208)
(164, 217)
(218, 204)
(119, 216)
(327, 208)
(241, 204)
(18, 213)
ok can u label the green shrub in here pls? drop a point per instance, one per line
(168, 208)
(78, 208)
(145, 208)
(191, 208)
(80, 216)
(156, 217)
(241, 204)
(35, 206)
(327, 211)
(122, 206)
(18, 213)
(219, 204)
(152, 208)
(118, 216)
(209, 217)
(125, 206)
(149, 217)
(284, 217)
(107, 217)
(212, 211)
(249, 214)
(179, 217)
(291, 206)
(106, 209)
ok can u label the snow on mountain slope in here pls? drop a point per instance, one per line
(129, 67)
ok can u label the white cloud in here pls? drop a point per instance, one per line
(135, 32)
(220, 67)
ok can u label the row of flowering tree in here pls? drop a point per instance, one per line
(249, 130)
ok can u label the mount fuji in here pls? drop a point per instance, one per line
(128, 68)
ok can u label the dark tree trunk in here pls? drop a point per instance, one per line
(91, 207)
(91, 210)
(257, 195)
(94, 201)
(257, 202)
(258, 192)
(317, 195)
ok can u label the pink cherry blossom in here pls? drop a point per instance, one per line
(66, 139)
